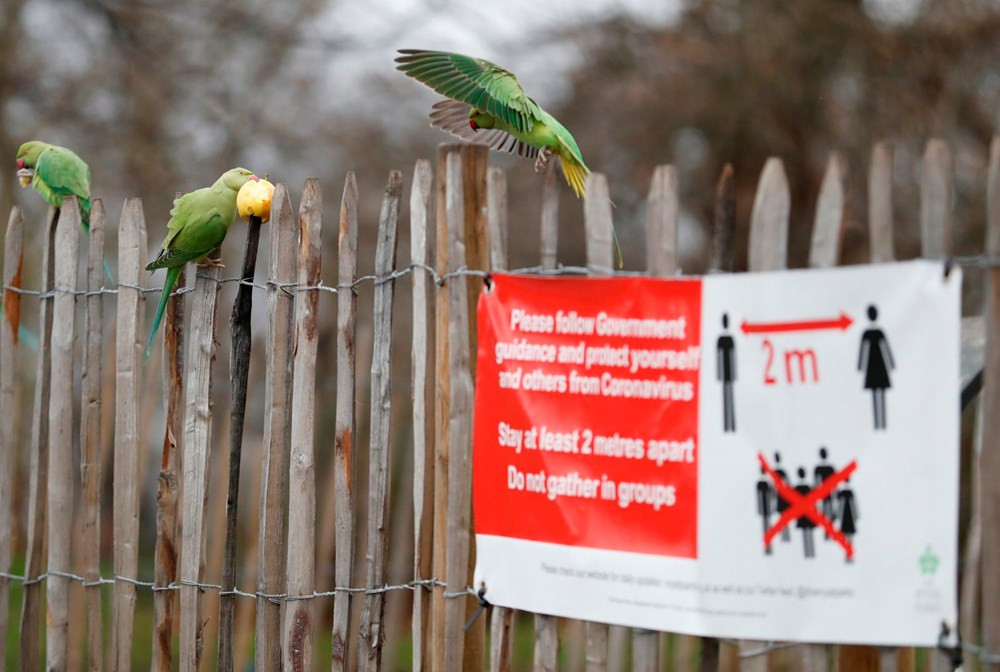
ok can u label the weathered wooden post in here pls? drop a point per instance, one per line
(277, 414)
(60, 481)
(768, 251)
(502, 621)
(347, 250)
(128, 432)
(13, 257)
(423, 399)
(301, 558)
(372, 631)
(474, 160)
(598, 223)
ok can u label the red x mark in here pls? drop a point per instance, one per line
(799, 504)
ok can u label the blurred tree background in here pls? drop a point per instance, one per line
(161, 97)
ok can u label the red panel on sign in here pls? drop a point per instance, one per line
(587, 412)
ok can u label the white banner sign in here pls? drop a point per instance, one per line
(766, 456)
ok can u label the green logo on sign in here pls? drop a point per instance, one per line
(929, 561)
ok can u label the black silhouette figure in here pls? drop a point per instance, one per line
(823, 471)
(847, 511)
(805, 523)
(765, 495)
(875, 359)
(782, 503)
(725, 371)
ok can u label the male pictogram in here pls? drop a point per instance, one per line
(765, 495)
(782, 503)
(801, 503)
(823, 471)
(725, 371)
(804, 523)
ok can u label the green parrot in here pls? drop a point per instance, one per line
(485, 97)
(199, 222)
(56, 172)
(485, 103)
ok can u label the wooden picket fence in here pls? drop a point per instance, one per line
(275, 618)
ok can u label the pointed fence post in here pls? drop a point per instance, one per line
(168, 487)
(38, 460)
(197, 440)
(936, 192)
(598, 224)
(502, 618)
(662, 206)
(825, 253)
(91, 436)
(723, 229)
(13, 258)
(60, 481)
(301, 561)
(239, 375)
(546, 657)
(474, 163)
(128, 433)
(459, 419)
(990, 457)
(423, 399)
(372, 626)
(880, 204)
(277, 413)
(347, 300)
(936, 187)
(768, 251)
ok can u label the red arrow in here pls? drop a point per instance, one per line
(842, 323)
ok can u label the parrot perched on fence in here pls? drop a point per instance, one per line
(199, 222)
(56, 172)
(485, 103)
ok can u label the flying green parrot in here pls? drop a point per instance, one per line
(199, 222)
(485, 97)
(485, 103)
(56, 172)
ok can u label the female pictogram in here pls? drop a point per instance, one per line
(875, 359)
(847, 511)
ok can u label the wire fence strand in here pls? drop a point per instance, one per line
(277, 598)
(440, 279)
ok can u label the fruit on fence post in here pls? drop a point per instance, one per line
(254, 199)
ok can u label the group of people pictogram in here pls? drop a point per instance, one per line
(839, 506)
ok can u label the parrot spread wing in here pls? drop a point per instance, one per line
(452, 117)
(473, 81)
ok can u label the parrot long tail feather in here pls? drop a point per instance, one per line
(173, 273)
(618, 248)
(27, 337)
(575, 175)
(107, 271)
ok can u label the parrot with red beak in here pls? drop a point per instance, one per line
(56, 172)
